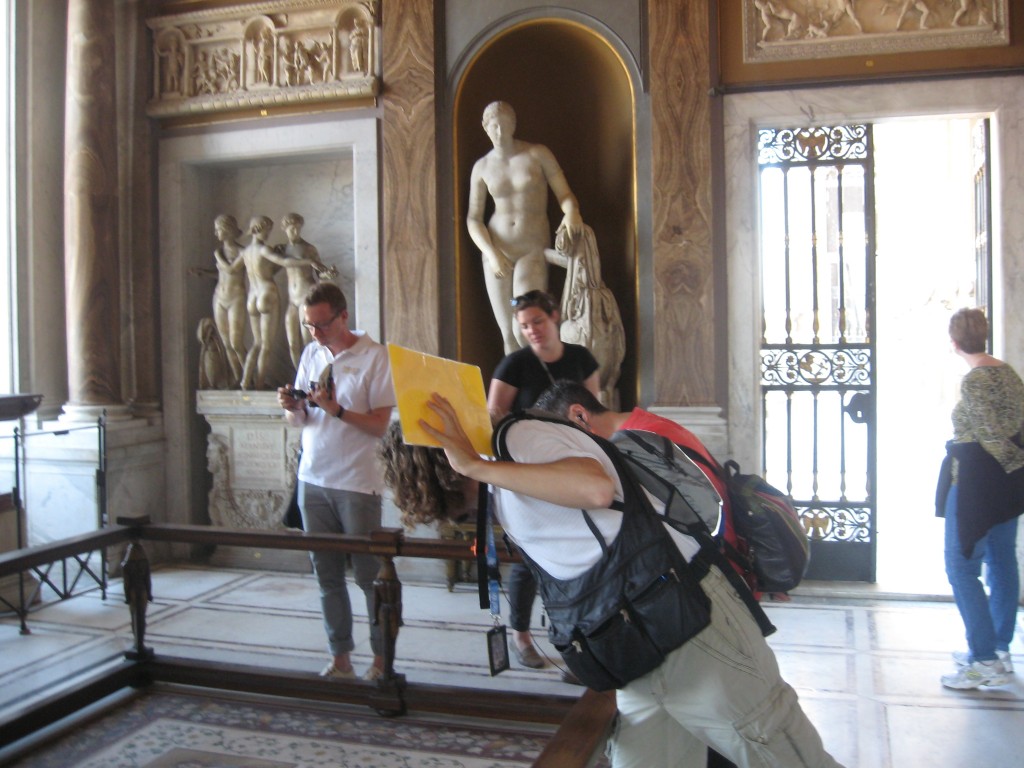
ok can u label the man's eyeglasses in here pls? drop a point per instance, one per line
(320, 326)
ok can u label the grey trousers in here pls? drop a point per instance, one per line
(325, 510)
(721, 689)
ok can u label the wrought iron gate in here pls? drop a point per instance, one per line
(817, 350)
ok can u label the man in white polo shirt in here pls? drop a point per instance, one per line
(346, 380)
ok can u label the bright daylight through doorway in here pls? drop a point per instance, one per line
(924, 187)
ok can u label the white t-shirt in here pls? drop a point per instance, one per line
(557, 538)
(336, 454)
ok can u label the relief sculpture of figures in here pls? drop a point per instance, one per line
(202, 75)
(777, 9)
(302, 63)
(590, 314)
(305, 269)
(516, 174)
(807, 20)
(263, 303)
(287, 58)
(225, 70)
(916, 5)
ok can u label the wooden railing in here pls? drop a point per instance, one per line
(584, 720)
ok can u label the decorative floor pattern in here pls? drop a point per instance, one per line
(866, 666)
(166, 729)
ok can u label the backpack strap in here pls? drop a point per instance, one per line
(480, 546)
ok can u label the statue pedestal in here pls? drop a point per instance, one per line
(252, 454)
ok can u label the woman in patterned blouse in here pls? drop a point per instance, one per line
(981, 505)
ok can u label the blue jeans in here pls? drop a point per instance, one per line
(326, 510)
(988, 619)
(522, 590)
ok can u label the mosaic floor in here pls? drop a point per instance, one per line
(166, 729)
(865, 665)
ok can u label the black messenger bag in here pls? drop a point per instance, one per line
(620, 619)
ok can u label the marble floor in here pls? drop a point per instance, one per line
(866, 665)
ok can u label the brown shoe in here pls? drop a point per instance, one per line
(528, 656)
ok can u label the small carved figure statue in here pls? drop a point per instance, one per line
(516, 175)
(358, 39)
(213, 358)
(303, 65)
(174, 65)
(138, 592)
(322, 54)
(264, 49)
(288, 76)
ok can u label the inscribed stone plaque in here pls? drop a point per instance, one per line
(258, 458)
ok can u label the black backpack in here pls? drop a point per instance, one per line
(765, 517)
(619, 619)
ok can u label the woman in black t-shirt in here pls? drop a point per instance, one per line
(516, 384)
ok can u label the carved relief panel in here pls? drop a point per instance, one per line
(262, 54)
(779, 30)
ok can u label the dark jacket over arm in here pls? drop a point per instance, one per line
(986, 495)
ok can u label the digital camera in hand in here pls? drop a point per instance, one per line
(299, 394)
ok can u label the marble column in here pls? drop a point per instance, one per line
(92, 272)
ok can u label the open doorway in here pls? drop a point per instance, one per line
(926, 268)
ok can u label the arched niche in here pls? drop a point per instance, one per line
(572, 92)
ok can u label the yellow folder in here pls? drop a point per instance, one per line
(417, 375)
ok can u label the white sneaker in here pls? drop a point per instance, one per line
(338, 674)
(963, 658)
(373, 673)
(977, 674)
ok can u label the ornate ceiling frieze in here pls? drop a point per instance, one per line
(259, 55)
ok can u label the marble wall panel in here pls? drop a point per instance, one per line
(409, 173)
(685, 313)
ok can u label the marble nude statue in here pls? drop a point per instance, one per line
(263, 302)
(517, 175)
(230, 293)
(301, 261)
